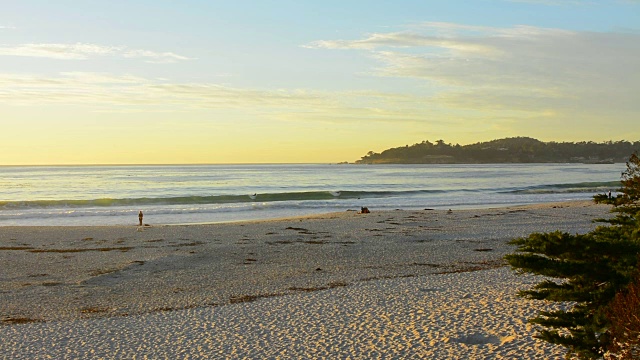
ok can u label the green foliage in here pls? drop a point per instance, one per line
(509, 150)
(590, 270)
(629, 201)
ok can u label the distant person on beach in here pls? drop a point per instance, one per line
(609, 194)
(140, 216)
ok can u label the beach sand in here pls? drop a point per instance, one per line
(394, 284)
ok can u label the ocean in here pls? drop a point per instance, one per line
(184, 194)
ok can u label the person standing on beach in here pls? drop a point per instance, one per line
(140, 216)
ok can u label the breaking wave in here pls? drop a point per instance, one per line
(584, 187)
(212, 199)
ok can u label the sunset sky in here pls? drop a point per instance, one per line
(160, 81)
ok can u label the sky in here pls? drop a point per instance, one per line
(194, 81)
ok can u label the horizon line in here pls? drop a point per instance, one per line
(181, 164)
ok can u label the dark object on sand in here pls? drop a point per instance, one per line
(364, 210)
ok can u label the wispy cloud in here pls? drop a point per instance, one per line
(82, 51)
(507, 81)
(132, 93)
(523, 68)
(154, 57)
(109, 89)
(76, 51)
(402, 40)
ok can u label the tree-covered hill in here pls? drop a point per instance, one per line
(509, 150)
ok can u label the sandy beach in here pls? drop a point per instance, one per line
(395, 284)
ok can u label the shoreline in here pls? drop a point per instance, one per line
(319, 215)
(356, 211)
(87, 274)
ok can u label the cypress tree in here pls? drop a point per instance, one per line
(585, 269)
